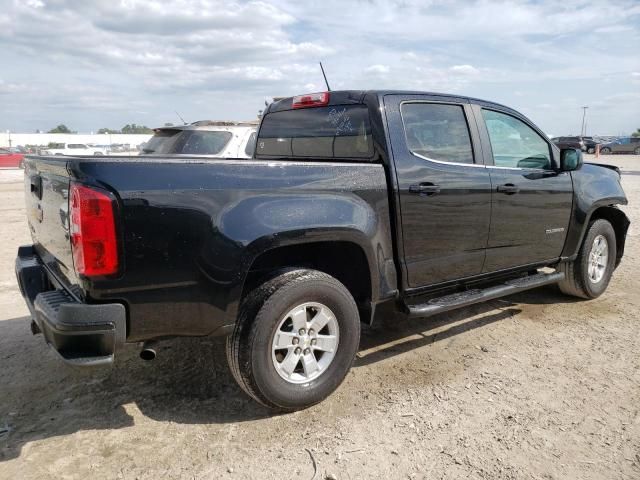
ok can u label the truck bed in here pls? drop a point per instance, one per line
(189, 227)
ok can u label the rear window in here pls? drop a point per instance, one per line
(251, 145)
(341, 131)
(187, 142)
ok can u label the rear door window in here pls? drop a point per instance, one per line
(436, 131)
(341, 131)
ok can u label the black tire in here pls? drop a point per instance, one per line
(577, 282)
(591, 150)
(249, 347)
(637, 151)
(605, 151)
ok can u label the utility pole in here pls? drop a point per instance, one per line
(583, 131)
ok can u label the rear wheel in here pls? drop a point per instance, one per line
(295, 339)
(589, 274)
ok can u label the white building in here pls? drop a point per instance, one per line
(43, 139)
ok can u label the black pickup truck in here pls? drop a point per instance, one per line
(357, 205)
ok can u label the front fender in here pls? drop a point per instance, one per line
(594, 187)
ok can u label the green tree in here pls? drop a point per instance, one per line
(107, 130)
(636, 133)
(62, 128)
(133, 128)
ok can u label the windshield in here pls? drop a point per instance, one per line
(187, 142)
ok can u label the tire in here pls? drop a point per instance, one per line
(263, 320)
(591, 150)
(578, 281)
(605, 151)
(637, 151)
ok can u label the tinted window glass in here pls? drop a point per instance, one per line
(337, 131)
(76, 145)
(162, 142)
(437, 132)
(514, 143)
(187, 142)
(251, 145)
(203, 142)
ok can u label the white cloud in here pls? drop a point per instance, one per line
(377, 69)
(464, 69)
(92, 61)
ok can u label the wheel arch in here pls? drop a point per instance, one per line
(345, 260)
(618, 221)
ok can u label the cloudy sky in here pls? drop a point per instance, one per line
(105, 63)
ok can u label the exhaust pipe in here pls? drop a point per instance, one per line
(148, 351)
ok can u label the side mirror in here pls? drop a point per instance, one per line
(570, 159)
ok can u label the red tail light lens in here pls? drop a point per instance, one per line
(310, 100)
(93, 232)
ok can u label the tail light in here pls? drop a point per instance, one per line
(310, 100)
(93, 232)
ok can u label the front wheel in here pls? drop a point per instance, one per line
(591, 150)
(589, 274)
(295, 340)
(605, 150)
(637, 151)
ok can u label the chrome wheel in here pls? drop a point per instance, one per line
(598, 258)
(305, 342)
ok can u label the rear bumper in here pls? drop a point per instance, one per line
(82, 334)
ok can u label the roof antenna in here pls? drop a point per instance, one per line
(325, 77)
(180, 117)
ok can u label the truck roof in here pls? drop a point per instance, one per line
(342, 97)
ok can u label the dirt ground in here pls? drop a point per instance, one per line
(534, 386)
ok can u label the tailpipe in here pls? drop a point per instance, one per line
(148, 351)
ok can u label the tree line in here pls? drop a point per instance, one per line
(128, 128)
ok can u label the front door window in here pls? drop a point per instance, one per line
(514, 143)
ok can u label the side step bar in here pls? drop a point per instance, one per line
(462, 299)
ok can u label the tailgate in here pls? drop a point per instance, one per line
(46, 184)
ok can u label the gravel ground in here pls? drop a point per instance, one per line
(534, 386)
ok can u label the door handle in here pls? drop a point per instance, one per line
(508, 188)
(426, 189)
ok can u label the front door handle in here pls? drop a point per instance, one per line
(508, 188)
(426, 189)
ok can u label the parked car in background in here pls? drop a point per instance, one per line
(590, 144)
(73, 149)
(569, 142)
(205, 137)
(622, 145)
(9, 159)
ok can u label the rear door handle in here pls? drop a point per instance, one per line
(508, 188)
(426, 189)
